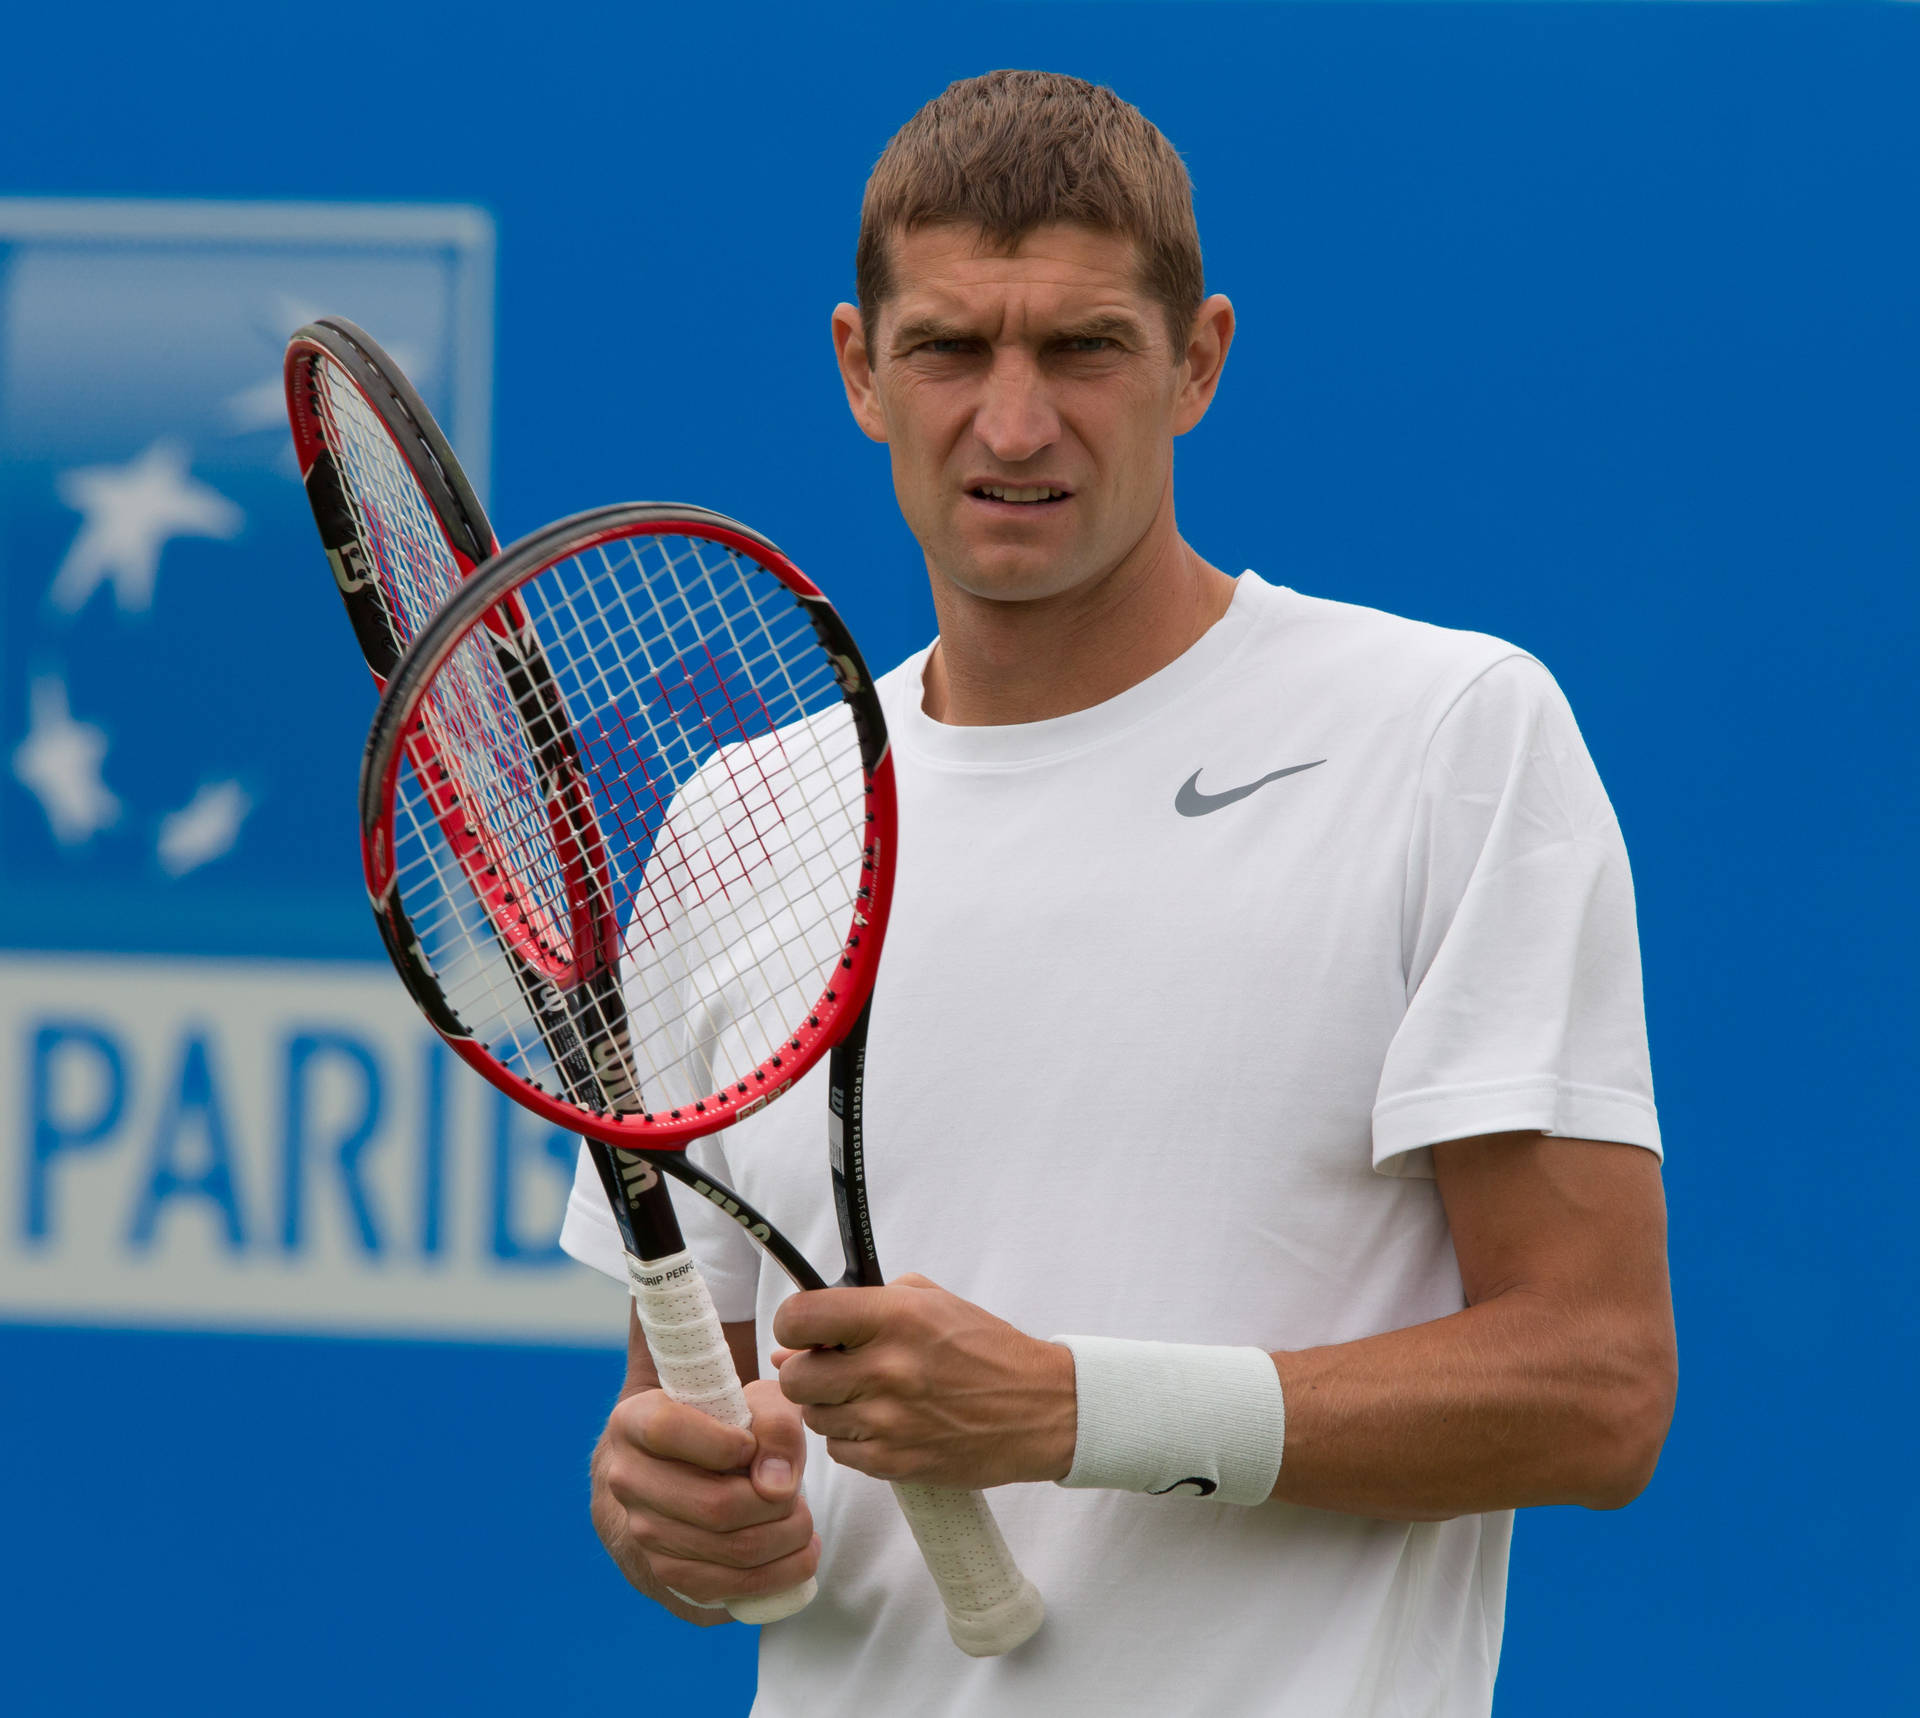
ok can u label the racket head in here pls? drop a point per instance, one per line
(693, 845)
(399, 521)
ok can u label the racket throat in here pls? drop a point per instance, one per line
(846, 1151)
(642, 1210)
(598, 1018)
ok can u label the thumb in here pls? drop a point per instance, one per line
(780, 1443)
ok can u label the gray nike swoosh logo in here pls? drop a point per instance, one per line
(1191, 802)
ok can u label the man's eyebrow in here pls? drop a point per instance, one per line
(928, 328)
(1101, 325)
(1105, 325)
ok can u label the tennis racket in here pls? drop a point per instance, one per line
(399, 522)
(401, 527)
(639, 755)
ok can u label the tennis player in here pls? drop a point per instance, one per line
(1258, 1064)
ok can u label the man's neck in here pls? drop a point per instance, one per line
(1002, 662)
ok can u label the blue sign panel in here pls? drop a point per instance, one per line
(179, 714)
(205, 1140)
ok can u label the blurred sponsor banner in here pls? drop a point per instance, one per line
(270, 1146)
(275, 1141)
(180, 702)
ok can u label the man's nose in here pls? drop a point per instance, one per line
(1015, 419)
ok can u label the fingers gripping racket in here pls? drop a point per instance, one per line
(638, 757)
(402, 527)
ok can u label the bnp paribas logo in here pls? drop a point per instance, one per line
(166, 675)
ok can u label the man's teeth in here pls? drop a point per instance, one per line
(998, 492)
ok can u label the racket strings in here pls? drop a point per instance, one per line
(403, 544)
(696, 832)
(698, 595)
(399, 534)
(709, 706)
(751, 861)
(486, 790)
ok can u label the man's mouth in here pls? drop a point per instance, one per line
(1026, 497)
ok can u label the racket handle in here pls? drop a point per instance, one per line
(991, 1606)
(695, 1366)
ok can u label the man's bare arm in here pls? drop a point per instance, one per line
(1555, 1385)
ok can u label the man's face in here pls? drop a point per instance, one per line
(1029, 402)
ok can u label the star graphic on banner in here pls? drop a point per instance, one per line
(131, 512)
(204, 828)
(59, 764)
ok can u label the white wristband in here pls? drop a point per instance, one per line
(1175, 1417)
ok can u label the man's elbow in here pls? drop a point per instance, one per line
(1631, 1425)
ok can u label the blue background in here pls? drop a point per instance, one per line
(1591, 326)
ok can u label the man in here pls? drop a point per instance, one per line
(1262, 1000)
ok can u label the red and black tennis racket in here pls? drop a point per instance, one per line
(399, 522)
(402, 527)
(638, 757)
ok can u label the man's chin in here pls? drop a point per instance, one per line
(1008, 572)
(1002, 580)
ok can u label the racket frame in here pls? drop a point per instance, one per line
(488, 602)
(393, 400)
(990, 1605)
(380, 613)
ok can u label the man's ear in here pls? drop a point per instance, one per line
(1206, 357)
(856, 371)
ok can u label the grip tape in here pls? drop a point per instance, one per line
(695, 1366)
(991, 1606)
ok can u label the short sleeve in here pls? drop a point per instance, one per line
(1524, 1005)
(728, 1259)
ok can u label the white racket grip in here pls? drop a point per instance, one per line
(695, 1366)
(991, 1606)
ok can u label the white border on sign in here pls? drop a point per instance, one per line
(461, 227)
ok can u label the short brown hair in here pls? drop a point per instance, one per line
(1012, 151)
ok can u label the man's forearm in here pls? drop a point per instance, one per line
(1554, 1385)
(1514, 1402)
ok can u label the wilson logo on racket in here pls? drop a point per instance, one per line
(638, 1175)
(759, 1231)
(349, 571)
(610, 1064)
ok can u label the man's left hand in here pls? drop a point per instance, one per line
(909, 1382)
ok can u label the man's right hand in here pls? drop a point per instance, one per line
(694, 1510)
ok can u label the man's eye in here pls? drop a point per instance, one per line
(1081, 343)
(945, 346)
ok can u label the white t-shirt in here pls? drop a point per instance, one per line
(1158, 1052)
